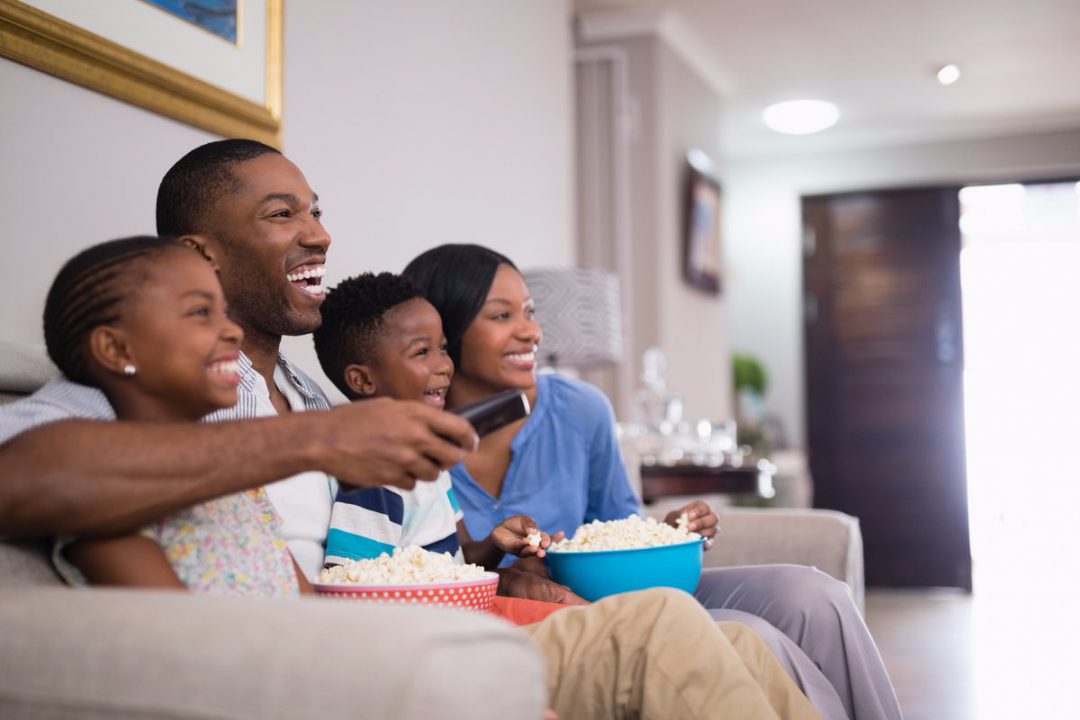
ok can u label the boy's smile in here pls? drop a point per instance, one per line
(411, 360)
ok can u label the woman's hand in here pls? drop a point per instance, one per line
(519, 536)
(702, 520)
(528, 579)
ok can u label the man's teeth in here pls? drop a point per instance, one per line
(523, 357)
(226, 367)
(314, 289)
(307, 273)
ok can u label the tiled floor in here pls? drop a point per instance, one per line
(1011, 651)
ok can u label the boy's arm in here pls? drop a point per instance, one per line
(85, 477)
(479, 552)
(125, 561)
(512, 535)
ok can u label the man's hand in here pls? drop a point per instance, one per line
(519, 535)
(527, 578)
(702, 520)
(391, 442)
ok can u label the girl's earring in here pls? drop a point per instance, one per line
(129, 369)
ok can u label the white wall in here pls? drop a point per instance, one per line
(428, 122)
(762, 229)
(416, 123)
(693, 325)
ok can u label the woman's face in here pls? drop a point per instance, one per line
(498, 349)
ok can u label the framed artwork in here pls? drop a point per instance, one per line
(701, 225)
(214, 64)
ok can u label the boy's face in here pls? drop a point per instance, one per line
(411, 362)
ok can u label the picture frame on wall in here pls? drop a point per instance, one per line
(216, 65)
(701, 224)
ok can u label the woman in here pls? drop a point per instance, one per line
(562, 467)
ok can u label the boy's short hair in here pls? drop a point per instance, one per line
(352, 321)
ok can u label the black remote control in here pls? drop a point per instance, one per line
(494, 412)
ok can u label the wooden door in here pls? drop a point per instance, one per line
(884, 378)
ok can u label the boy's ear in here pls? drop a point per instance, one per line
(109, 349)
(361, 380)
(202, 245)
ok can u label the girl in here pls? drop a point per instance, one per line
(561, 466)
(144, 320)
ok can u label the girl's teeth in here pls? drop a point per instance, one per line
(228, 366)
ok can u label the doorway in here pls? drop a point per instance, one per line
(884, 362)
(1020, 271)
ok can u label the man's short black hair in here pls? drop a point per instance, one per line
(352, 321)
(193, 185)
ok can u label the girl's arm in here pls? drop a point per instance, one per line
(124, 560)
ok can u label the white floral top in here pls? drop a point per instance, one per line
(228, 546)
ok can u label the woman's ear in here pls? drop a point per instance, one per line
(361, 380)
(109, 349)
(203, 246)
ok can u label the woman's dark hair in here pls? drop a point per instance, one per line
(353, 322)
(89, 291)
(456, 280)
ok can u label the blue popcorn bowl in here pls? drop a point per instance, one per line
(595, 574)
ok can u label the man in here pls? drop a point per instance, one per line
(252, 214)
(255, 208)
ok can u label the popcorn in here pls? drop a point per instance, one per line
(407, 566)
(534, 539)
(633, 532)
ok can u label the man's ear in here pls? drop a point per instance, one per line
(361, 380)
(109, 349)
(202, 245)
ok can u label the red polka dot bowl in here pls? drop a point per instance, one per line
(476, 594)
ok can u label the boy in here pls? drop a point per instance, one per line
(381, 338)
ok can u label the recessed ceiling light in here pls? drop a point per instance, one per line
(948, 74)
(801, 117)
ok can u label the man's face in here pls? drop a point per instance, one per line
(270, 245)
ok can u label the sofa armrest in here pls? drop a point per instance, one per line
(828, 540)
(109, 653)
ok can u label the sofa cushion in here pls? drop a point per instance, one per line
(23, 369)
(26, 563)
(99, 653)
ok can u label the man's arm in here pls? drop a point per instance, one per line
(92, 478)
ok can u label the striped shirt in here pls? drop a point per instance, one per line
(61, 399)
(367, 522)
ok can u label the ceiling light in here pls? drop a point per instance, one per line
(801, 117)
(948, 74)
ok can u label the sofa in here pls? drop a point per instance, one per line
(106, 653)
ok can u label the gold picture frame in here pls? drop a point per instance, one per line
(42, 41)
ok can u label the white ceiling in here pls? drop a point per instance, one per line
(876, 59)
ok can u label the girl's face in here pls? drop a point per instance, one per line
(498, 349)
(180, 339)
(411, 362)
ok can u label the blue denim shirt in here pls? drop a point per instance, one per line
(565, 467)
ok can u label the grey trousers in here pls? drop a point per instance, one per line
(810, 622)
